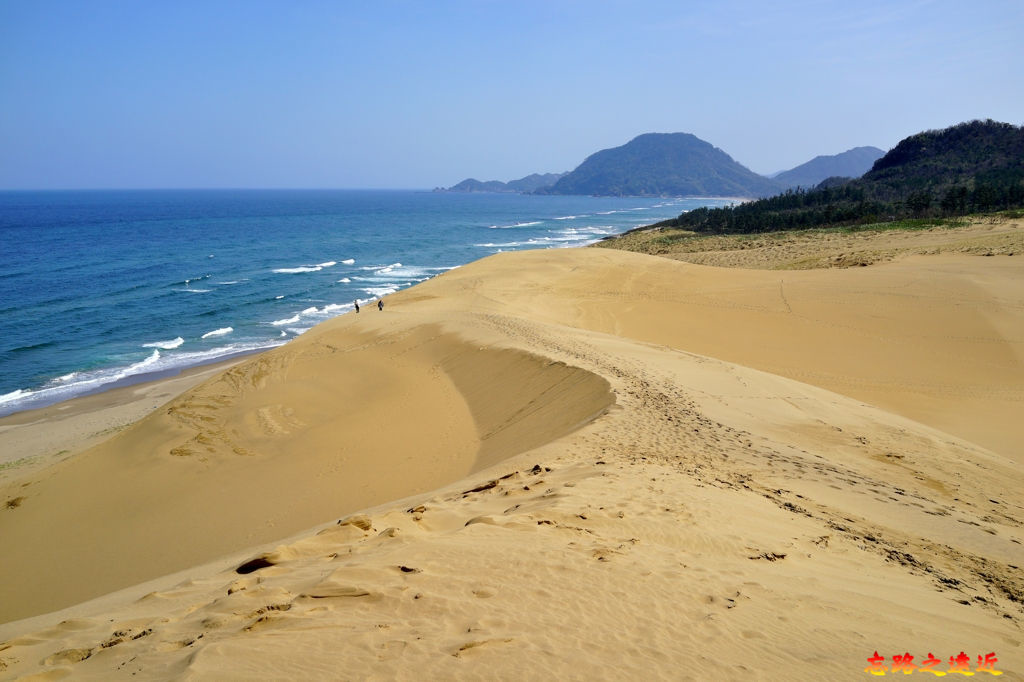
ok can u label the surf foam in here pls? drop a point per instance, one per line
(166, 345)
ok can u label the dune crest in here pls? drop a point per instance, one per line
(333, 423)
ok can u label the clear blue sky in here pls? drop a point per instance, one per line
(129, 94)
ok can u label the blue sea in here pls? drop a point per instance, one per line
(102, 288)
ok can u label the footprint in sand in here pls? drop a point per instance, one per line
(477, 644)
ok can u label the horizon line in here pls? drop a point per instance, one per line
(212, 189)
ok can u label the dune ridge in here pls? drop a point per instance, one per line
(277, 444)
(792, 476)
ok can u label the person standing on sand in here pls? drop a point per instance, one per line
(356, 304)
(380, 304)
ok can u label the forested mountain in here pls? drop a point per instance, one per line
(474, 185)
(852, 163)
(534, 182)
(663, 164)
(967, 168)
(530, 183)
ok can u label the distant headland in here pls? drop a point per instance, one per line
(675, 164)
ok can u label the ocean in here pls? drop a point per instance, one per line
(103, 288)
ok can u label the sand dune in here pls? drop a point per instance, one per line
(612, 465)
(277, 444)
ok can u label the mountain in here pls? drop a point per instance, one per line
(852, 163)
(534, 182)
(663, 164)
(973, 155)
(474, 185)
(530, 183)
(971, 167)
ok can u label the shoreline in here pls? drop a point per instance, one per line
(51, 369)
(760, 517)
(140, 378)
(109, 398)
(39, 437)
(182, 378)
(36, 402)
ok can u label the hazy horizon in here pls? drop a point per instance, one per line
(261, 95)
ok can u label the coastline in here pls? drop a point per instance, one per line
(110, 407)
(218, 275)
(756, 515)
(39, 437)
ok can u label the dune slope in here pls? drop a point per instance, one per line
(342, 419)
(722, 520)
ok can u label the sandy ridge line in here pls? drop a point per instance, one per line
(730, 461)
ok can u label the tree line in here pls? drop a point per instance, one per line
(974, 167)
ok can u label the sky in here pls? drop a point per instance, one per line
(390, 94)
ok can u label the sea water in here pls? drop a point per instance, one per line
(100, 288)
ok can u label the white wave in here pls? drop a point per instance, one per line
(509, 227)
(79, 383)
(278, 298)
(295, 271)
(584, 235)
(218, 332)
(380, 291)
(141, 365)
(348, 261)
(328, 264)
(568, 217)
(313, 311)
(344, 280)
(399, 272)
(166, 345)
(491, 245)
(14, 395)
(227, 284)
(190, 290)
(381, 268)
(573, 236)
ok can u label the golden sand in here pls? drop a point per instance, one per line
(611, 465)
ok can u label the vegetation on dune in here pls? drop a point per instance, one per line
(832, 247)
(973, 167)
